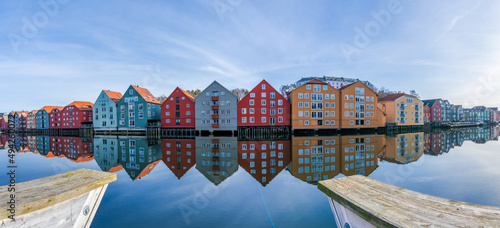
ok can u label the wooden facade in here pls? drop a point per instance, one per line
(359, 107)
(315, 105)
(263, 106)
(179, 155)
(402, 109)
(177, 111)
(75, 114)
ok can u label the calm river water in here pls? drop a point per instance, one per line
(223, 182)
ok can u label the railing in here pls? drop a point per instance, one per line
(215, 116)
(215, 98)
(215, 107)
(215, 125)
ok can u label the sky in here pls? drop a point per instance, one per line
(53, 52)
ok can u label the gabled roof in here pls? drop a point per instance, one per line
(34, 112)
(115, 96)
(316, 81)
(431, 102)
(117, 167)
(81, 104)
(393, 97)
(148, 97)
(49, 108)
(188, 95)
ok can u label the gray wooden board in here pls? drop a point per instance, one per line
(385, 205)
(41, 193)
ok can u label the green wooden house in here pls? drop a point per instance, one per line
(137, 109)
(105, 110)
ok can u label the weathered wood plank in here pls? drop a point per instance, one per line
(45, 192)
(385, 205)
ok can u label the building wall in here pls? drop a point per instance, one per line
(134, 111)
(315, 158)
(217, 157)
(42, 120)
(55, 119)
(264, 160)
(31, 120)
(178, 111)
(359, 154)
(305, 101)
(105, 112)
(263, 106)
(404, 111)
(72, 117)
(206, 109)
(437, 112)
(353, 97)
(179, 155)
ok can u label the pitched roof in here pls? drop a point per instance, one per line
(316, 81)
(81, 104)
(49, 108)
(117, 167)
(393, 97)
(430, 103)
(146, 95)
(187, 94)
(115, 96)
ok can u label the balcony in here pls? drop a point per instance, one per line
(215, 107)
(215, 150)
(216, 169)
(215, 159)
(215, 125)
(215, 98)
(215, 116)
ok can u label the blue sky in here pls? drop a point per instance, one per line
(446, 49)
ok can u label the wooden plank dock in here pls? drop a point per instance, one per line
(384, 205)
(66, 200)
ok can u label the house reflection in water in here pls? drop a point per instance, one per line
(138, 156)
(106, 153)
(315, 158)
(217, 157)
(263, 159)
(438, 143)
(32, 143)
(403, 148)
(75, 149)
(359, 154)
(178, 155)
(43, 144)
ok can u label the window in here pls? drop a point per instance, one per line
(252, 94)
(263, 94)
(251, 102)
(243, 119)
(243, 111)
(263, 86)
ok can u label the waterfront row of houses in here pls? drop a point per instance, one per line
(307, 158)
(313, 104)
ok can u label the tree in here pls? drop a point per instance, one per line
(161, 98)
(415, 94)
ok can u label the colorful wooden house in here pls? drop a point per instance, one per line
(264, 160)
(263, 106)
(315, 158)
(359, 107)
(179, 155)
(23, 120)
(76, 114)
(31, 120)
(137, 109)
(177, 111)
(436, 110)
(402, 109)
(315, 105)
(105, 116)
(43, 117)
(216, 109)
(217, 157)
(55, 118)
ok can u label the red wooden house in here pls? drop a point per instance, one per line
(178, 110)
(263, 106)
(55, 118)
(435, 109)
(72, 148)
(427, 114)
(264, 160)
(179, 155)
(76, 113)
(3, 124)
